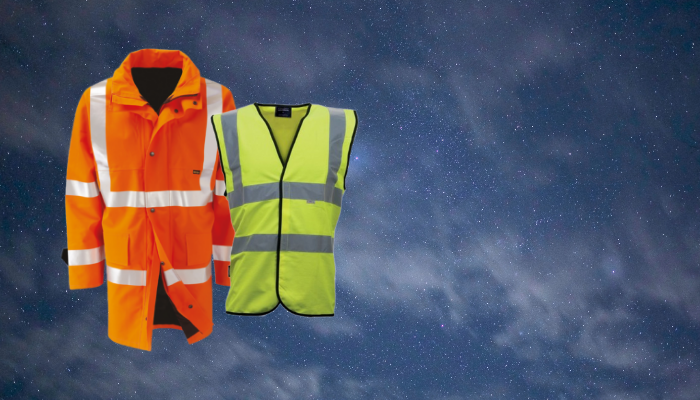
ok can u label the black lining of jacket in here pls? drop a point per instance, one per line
(156, 84)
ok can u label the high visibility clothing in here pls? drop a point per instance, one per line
(144, 191)
(285, 169)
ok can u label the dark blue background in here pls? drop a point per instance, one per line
(521, 219)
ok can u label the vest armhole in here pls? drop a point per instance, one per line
(352, 140)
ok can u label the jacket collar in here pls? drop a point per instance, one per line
(124, 91)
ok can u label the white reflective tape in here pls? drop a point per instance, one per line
(81, 189)
(158, 199)
(98, 130)
(164, 198)
(215, 103)
(170, 277)
(190, 198)
(123, 199)
(126, 276)
(98, 137)
(222, 253)
(220, 188)
(86, 257)
(140, 199)
(187, 276)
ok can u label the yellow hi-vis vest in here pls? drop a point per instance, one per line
(285, 169)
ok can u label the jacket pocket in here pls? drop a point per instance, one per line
(117, 248)
(198, 248)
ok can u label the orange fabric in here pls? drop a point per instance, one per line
(134, 239)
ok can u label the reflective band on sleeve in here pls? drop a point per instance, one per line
(289, 242)
(86, 257)
(222, 253)
(81, 189)
(335, 150)
(214, 106)
(126, 276)
(220, 188)
(187, 276)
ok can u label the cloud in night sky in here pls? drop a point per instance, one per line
(521, 218)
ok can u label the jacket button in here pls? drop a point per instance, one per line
(195, 103)
(176, 111)
(153, 154)
(162, 263)
(153, 210)
(190, 306)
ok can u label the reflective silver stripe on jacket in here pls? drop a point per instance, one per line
(165, 198)
(86, 257)
(187, 276)
(81, 189)
(220, 188)
(138, 278)
(221, 253)
(126, 276)
(214, 106)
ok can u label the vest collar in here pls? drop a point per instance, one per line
(124, 91)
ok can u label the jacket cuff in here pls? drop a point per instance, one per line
(86, 276)
(221, 269)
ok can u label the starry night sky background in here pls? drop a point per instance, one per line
(522, 214)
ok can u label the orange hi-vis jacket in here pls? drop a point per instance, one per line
(145, 196)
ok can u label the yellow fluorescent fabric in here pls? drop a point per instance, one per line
(285, 170)
(284, 129)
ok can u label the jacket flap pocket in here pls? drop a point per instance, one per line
(198, 248)
(117, 248)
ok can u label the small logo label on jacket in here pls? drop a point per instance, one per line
(196, 172)
(310, 201)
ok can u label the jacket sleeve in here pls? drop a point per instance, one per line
(84, 206)
(222, 233)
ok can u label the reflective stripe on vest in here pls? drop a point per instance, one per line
(141, 199)
(288, 242)
(284, 213)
